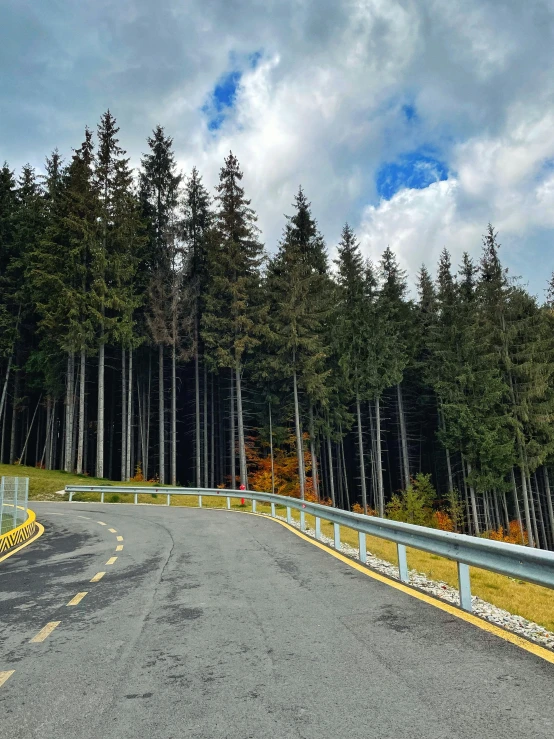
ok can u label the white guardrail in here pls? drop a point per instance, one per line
(520, 562)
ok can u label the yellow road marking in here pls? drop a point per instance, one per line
(119, 548)
(113, 531)
(119, 538)
(46, 631)
(98, 576)
(77, 599)
(83, 517)
(5, 675)
(40, 532)
(102, 523)
(111, 560)
(508, 636)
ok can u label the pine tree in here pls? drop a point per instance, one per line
(234, 314)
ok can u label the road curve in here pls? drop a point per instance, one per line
(213, 625)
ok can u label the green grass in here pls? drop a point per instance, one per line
(530, 601)
(6, 523)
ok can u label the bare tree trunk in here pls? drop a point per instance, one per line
(361, 454)
(100, 418)
(29, 429)
(161, 414)
(5, 388)
(405, 464)
(532, 507)
(549, 504)
(447, 452)
(197, 414)
(148, 406)
(540, 513)
(205, 428)
(55, 433)
(212, 434)
(271, 450)
(240, 418)
(346, 495)
(528, 524)
(69, 411)
(81, 441)
(331, 475)
(476, 527)
(379, 461)
(173, 415)
(128, 445)
(123, 415)
(313, 455)
(516, 503)
(299, 442)
(232, 433)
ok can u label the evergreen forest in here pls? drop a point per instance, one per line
(147, 333)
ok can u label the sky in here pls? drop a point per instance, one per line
(417, 121)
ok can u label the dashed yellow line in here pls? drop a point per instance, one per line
(77, 599)
(119, 548)
(46, 631)
(5, 675)
(113, 531)
(102, 523)
(111, 560)
(98, 576)
(119, 538)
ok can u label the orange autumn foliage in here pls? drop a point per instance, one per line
(512, 535)
(442, 521)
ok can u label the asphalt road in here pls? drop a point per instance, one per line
(213, 624)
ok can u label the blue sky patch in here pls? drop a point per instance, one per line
(222, 99)
(414, 170)
(410, 112)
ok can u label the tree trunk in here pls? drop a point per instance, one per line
(540, 513)
(123, 415)
(271, 451)
(447, 452)
(81, 440)
(129, 424)
(516, 504)
(240, 419)
(532, 508)
(161, 414)
(5, 389)
(197, 415)
(205, 427)
(528, 524)
(54, 453)
(346, 495)
(361, 455)
(549, 504)
(313, 455)
(100, 418)
(232, 433)
(331, 475)
(379, 461)
(405, 468)
(173, 416)
(29, 429)
(299, 443)
(148, 406)
(475, 514)
(212, 433)
(69, 412)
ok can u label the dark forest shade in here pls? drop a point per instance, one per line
(142, 325)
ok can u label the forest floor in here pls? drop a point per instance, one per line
(532, 602)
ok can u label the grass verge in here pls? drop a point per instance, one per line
(524, 599)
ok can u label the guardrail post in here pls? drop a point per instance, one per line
(136, 498)
(362, 547)
(289, 515)
(70, 498)
(168, 499)
(273, 510)
(253, 506)
(402, 562)
(302, 521)
(200, 501)
(336, 533)
(102, 496)
(465, 586)
(228, 503)
(317, 527)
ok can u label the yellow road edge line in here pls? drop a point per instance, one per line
(77, 599)
(98, 576)
(111, 560)
(46, 631)
(33, 538)
(5, 675)
(119, 548)
(119, 538)
(470, 618)
(113, 531)
(102, 523)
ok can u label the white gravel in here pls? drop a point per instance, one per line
(498, 616)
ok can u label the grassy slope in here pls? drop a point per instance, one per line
(530, 601)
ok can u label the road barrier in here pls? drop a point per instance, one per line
(520, 562)
(17, 522)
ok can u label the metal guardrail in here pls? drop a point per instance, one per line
(520, 562)
(14, 497)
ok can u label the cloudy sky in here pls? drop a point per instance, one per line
(418, 121)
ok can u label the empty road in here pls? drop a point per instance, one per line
(213, 624)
